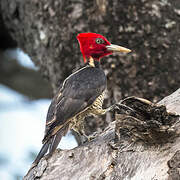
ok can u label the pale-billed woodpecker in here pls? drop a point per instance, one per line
(81, 94)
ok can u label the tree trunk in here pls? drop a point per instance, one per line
(46, 30)
(129, 148)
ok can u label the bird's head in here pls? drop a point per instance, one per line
(96, 46)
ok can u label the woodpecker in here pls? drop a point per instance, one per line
(81, 94)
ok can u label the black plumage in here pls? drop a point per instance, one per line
(79, 91)
(81, 94)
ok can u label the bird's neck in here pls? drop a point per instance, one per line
(93, 63)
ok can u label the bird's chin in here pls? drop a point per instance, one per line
(100, 55)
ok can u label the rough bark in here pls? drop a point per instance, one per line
(129, 148)
(46, 30)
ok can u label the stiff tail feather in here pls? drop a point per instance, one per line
(41, 153)
(57, 138)
(51, 144)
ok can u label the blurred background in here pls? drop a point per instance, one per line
(22, 114)
(46, 30)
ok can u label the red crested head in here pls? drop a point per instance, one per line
(96, 46)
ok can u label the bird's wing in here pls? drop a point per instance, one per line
(76, 95)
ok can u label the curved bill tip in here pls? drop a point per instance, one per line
(116, 48)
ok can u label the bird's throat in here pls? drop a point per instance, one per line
(93, 63)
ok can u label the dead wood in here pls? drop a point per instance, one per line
(144, 146)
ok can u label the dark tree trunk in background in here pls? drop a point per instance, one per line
(46, 30)
(15, 76)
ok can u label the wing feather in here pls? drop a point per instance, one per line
(78, 92)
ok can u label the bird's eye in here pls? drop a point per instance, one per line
(99, 41)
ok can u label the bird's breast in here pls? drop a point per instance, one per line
(97, 105)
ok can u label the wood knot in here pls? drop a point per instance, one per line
(150, 124)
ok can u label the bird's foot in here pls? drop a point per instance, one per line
(93, 136)
(122, 108)
(86, 139)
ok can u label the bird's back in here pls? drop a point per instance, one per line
(78, 92)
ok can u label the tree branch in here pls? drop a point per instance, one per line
(132, 147)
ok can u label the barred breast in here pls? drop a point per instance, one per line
(96, 107)
(77, 123)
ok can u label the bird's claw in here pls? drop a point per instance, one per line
(91, 137)
(121, 108)
(86, 139)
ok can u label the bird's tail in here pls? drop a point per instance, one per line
(51, 144)
(41, 153)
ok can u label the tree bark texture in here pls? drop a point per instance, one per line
(129, 148)
(46, 31)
